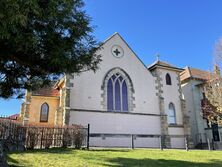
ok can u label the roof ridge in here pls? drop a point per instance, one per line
(107, 39)
(199, 69)
(163, 64)
(195, 73)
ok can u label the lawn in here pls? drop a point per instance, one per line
(115, 157)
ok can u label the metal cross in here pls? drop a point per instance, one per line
(116, 52)
(158, 56)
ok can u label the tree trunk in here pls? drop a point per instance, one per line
(3, 162)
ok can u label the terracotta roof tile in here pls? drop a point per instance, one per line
(195, 73)
(46, 91)
(14, 116)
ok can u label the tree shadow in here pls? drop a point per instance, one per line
(46, 151)
(107, 150)
(146, 162)
(12, 162)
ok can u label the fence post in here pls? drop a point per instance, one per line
(201, 143)
(213, 148)
(41, 139)
(132, 137)
(88, 133)
(186, 144)
(208, 143)
(161, 143)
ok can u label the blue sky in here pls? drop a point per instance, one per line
(183, 32)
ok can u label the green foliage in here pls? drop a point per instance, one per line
(41, 40)
(116, 157)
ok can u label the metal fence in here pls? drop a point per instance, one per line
(127, 140)
(206, 141)
(139, 141)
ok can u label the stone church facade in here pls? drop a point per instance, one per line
(123, 97)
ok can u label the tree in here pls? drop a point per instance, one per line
(212, 101)
(40, 40)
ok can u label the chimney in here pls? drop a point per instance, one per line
(216, 70)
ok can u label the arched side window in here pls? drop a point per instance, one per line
(171, 114)
(168, 79)
(117, 90)
(117, 93)
(44, 113)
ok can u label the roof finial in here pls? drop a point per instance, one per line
(158, 56)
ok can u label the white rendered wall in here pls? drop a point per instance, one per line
(171, 94)
(192, 95)
(115, 123)
(124, 142)
(86, 93)
(179, 141)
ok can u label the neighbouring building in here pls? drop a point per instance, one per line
(192, 82)
(41, 107)
(123, 97)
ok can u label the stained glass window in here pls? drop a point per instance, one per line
(110, 95)
(117, 93)
(125, 96)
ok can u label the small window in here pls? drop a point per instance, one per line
(171, 114)
(168, 79)
(44, 113)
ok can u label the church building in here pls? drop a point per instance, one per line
(122, 97)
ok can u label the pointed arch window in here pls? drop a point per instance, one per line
(168, 79)
(171, 114)
(117, 93)
(44, 113)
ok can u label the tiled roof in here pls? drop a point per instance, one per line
(46, 91)
(195, 73)
(162, 64)
(14, 116)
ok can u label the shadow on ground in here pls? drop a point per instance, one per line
(13, 162)
(107, 150)
(131, 162)
(119, 161)
(47, 151)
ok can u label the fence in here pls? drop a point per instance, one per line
(18, 137)
(139, 141)
(13, 117)
(206, 141)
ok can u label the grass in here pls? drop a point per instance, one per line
(58, 157)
